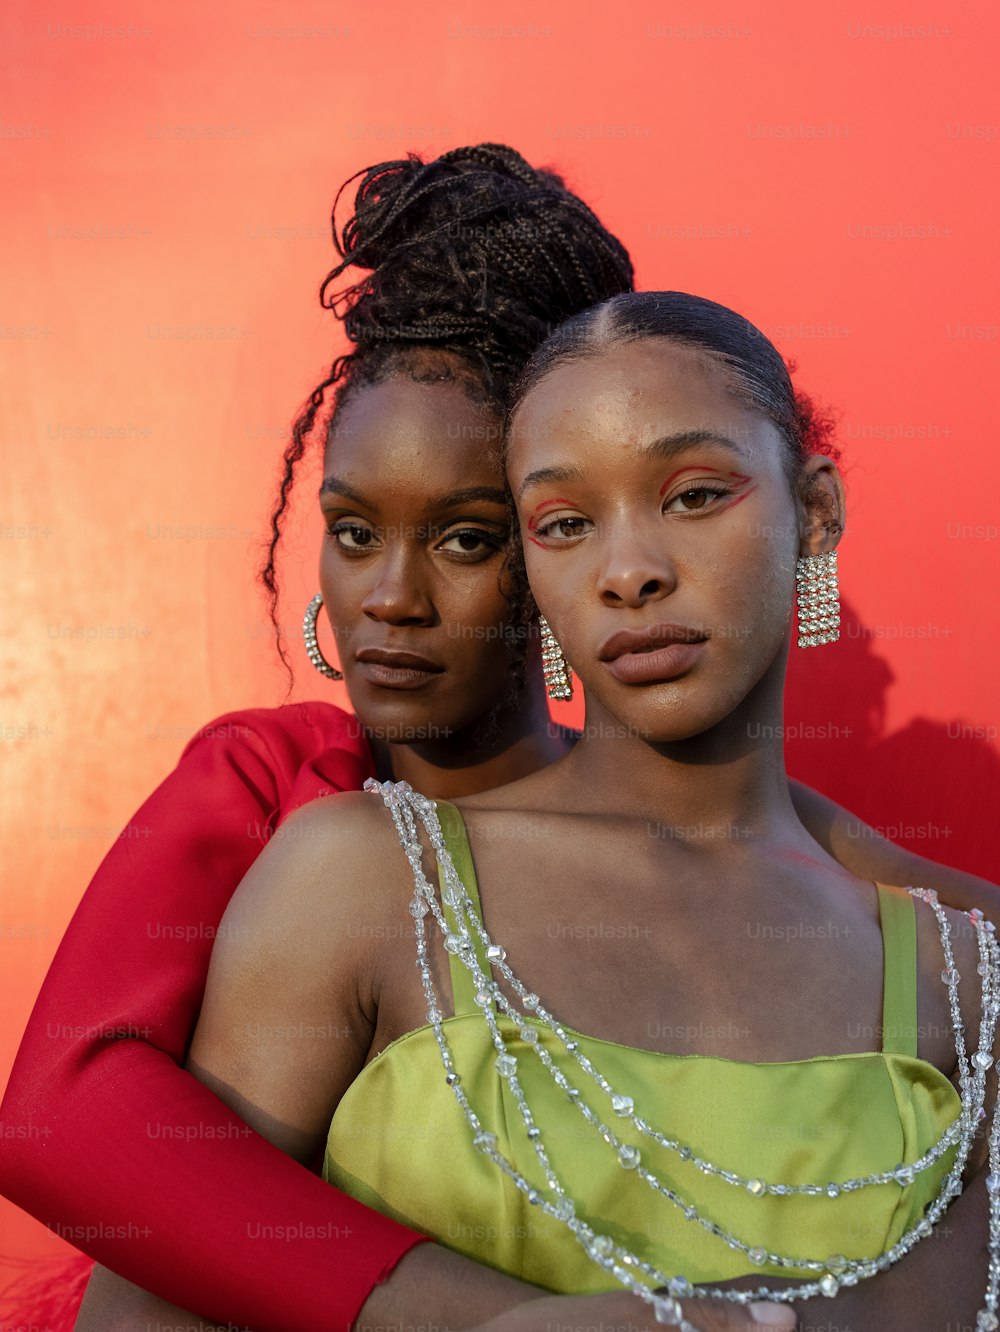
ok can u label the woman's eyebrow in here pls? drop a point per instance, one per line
(492, 494)
(469, 495)
(668, 446)
(567, 473)
(336, 485)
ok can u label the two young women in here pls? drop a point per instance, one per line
(665, 497)
(416, 564)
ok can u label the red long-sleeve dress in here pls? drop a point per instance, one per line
(140, 1165)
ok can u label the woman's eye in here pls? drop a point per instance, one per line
(470, 541)
(698, 497)
(563, 529)
(352, 536)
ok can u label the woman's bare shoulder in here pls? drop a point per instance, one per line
(344, 820)
(332, 857)
(869, 854)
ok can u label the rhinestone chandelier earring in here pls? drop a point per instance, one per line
(558, 681)
(312, 644)
(817, 595)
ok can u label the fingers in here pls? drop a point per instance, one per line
(773, 1317)
(759, 1317)
(613, 1312)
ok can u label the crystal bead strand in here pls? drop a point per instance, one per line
(624, 1106)
(600, 1248)
(989, 967)
(884, 1261)
(951, 978)
(424, 901)
(902, 1174)
(981, 1061)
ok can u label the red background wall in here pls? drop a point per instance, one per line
(168, 172)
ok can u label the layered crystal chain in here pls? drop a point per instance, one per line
(410, 811)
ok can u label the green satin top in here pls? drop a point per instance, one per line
(400, 1143)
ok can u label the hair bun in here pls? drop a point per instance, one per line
(476, 246)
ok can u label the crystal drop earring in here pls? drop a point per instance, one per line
(558, 681)
(817, 596)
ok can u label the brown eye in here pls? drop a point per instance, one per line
(471, 541)
(695, 499)
(352, 536)
(465, 542)
(563, 528)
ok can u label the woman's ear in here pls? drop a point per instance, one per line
(822, 505)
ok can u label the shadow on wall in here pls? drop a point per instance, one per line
(932, 786)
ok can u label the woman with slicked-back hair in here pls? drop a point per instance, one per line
(464, 265)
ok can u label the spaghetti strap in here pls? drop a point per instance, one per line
(899, 989)
(463, 988)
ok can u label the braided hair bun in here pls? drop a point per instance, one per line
(477, 255)
(476, 252)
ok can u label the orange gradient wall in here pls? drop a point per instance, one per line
(168, 172)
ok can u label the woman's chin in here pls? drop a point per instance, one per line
(395, 726)
(658, 717)
(405, 718)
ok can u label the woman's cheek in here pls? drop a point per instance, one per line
(484, 605)
(536, 572)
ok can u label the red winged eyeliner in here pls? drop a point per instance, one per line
(538, 513)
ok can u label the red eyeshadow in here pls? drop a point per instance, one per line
(706, 471)
(537, 512)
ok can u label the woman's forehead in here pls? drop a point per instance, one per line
(629, 391)
(409, 442)
(402, 413)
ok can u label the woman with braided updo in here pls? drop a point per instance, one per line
(464, 265)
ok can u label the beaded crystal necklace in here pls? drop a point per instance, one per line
(661, 1290)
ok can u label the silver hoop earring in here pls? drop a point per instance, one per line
(555, 667)
(817, 596)
(312, 644)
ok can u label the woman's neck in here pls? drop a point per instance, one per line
(521, 740)
(731, 776)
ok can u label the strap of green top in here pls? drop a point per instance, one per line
(899, 991)
(456, 839)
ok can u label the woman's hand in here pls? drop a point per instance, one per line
(627, 1314)
(112, 1304)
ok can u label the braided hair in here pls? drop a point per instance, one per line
(469, 262)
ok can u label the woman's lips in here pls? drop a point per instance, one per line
(656, 652)
(662, 663)
(392, 669)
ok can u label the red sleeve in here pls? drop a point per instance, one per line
(130, 1158)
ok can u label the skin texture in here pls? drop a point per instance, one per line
(300, 951)
(689, 545)
(414, 560)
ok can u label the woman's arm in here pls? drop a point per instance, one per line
(123, 1145)
(285, 1027)
(869, 855)
(938, 1287)
(287, 1020)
